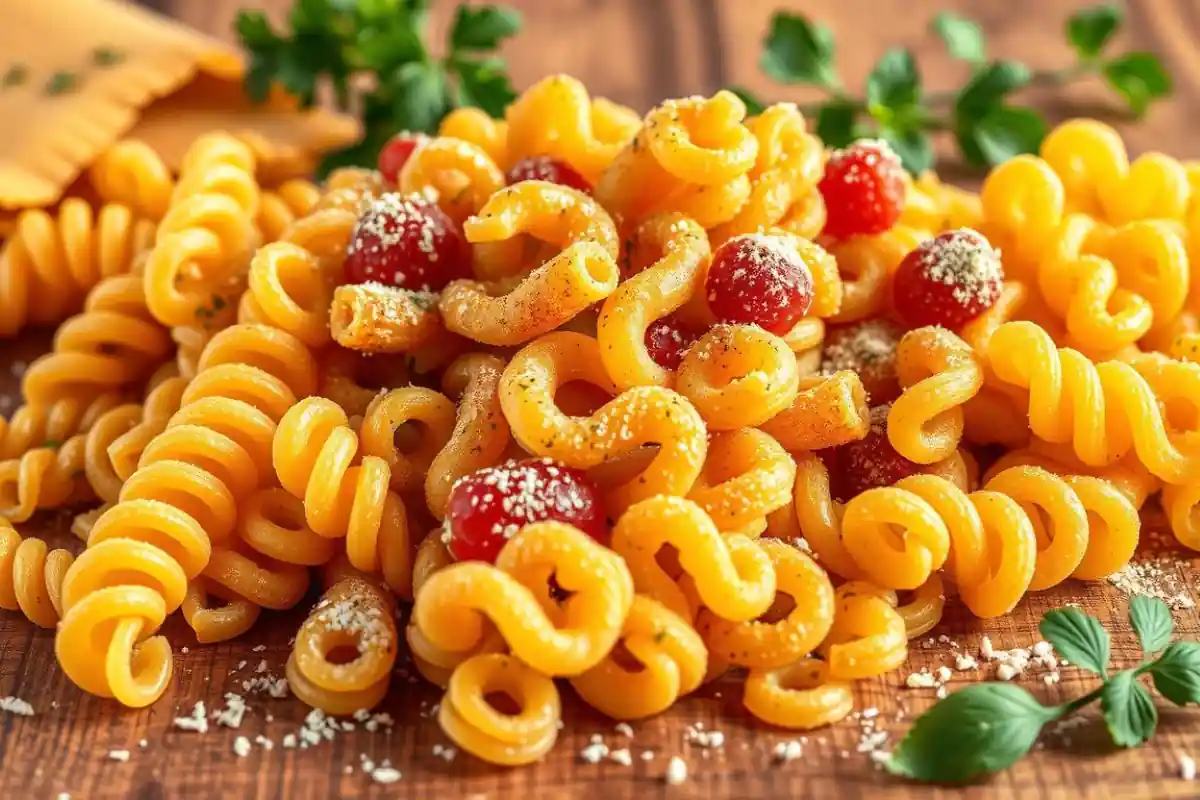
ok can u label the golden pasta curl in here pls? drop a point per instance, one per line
(670, 662)
(475, 126)
(43, 478)
(680, 252)
(49, 264)
(557, 640)
(828, 411)
(868, 637)
(738, 376)
(312, 451)
(458, 174)
(133, 174)
(866, 265)
(797, 696)
(281, 206)
(407, 428)
(374, 318)
(205, 241)
(143, 552)
(31, 578)
(631, 420)
(746, 477)
(355, 614)
(116, 442)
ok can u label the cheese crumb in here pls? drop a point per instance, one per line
(920, 680)
(788, 751)
(15, 705)
(241, 746)
(624, 729)
(594, 753)
(118, 755)
(197, 721)
(1006, 672)
(622, 757)
(677, 771)
(1187, 767)
(385, 775)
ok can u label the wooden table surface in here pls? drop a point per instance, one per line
(634, 51)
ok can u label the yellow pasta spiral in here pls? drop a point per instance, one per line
(143, 551)
(282, 205)
(798, 696)
(48, 264)
(939, 373)
(31, 578)
(670, 662)
(691, 155)
(313, 450)
(738, 376)
(632, 419)
(557, 640)
(42, 478)
(458, 174)
(1023, 205)
(475, 126)
(471, 722)
(681, 252)
(407, 428)
(354, 615)
(205, 241)
(866, 265)
(133, 174)
(828, 411)
(583, 272)
(746, 477)
(1102, 410)
(868, 637)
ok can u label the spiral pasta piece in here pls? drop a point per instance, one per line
(866, 265)
(585, 270)
(555, 117)
(868, 636)
(731, 574)
(452, 606)
(480, 436)
(681, 253)
(143, 552)
(670, 662)
(475, 126)
(48, 264)
(407, 428)
(42, 478)
(312, 452)
(271, 522)
(205, 241)
(282, 205)
(31, 577)
(738, 376)
(353, 614)
(632, 419)
(373, 318)
(1102, 410)
(132, 174)
(939, 373)
(828, 411)
(746, 477)
(692, 156)
(762, 644)
(933, 206)
(798, 696)
(1098, 179)
(458, 174)
(1150, 260)
(783, 181)
(1023, 205)
(115, 444)
(216, 622)
(507, 739)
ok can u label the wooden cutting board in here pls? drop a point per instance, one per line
(635, 52)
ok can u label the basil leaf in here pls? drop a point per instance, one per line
(894, 81)
(980, 729)
(989, 86)
(913, 147)
(1077, 637)
(1128, 709)
(1139, 78)
(797, 51)
(484, 84)
(754, 104)
(1151, 621)
(420, 99)
(835, 123)
(483, 27)
(1089, 29)
(1176, 674)
(963, 37)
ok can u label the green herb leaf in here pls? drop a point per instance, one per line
(988, 88)
(1176, 674)
(894, 82)
(980, 729)
(420, 97)
(1089, 29)
(484, 84)
(260, 41)
(14, 76)
(1004, 132)
(1152, 622)
(51, 443)
(483, 27)
(913, 147)
(754, 104)
(107, 57)
(963, 37)
(1077, 637)
(835, 123)
(798, 51)
(1139, 78)
(61, 82)
(1128, 709)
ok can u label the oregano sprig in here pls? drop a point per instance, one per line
(373, 55)
(988, 727)
(988, 127)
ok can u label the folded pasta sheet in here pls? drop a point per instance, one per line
(75, 75)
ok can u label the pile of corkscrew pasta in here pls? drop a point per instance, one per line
(629, 402)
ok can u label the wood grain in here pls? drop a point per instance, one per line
(634, 51)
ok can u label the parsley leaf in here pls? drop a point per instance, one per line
(1089, 29)
(1128, 709)
(1176, 674)
(483, 27)
(835, 123)
(798, 51)
(894, 82)
(963, 37)
(1139, 78)
(1152, 622)
(484, 84)
(1077, 637)
(980, 729)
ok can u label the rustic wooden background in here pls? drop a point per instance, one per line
(634, 51)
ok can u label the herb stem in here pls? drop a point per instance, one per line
(1079, 702)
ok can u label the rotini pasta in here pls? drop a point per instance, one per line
(31, 577)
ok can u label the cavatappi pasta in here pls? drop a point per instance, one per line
(602, 397)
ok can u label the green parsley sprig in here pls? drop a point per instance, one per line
(988, 128)
(988, 727)
(374, 56)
